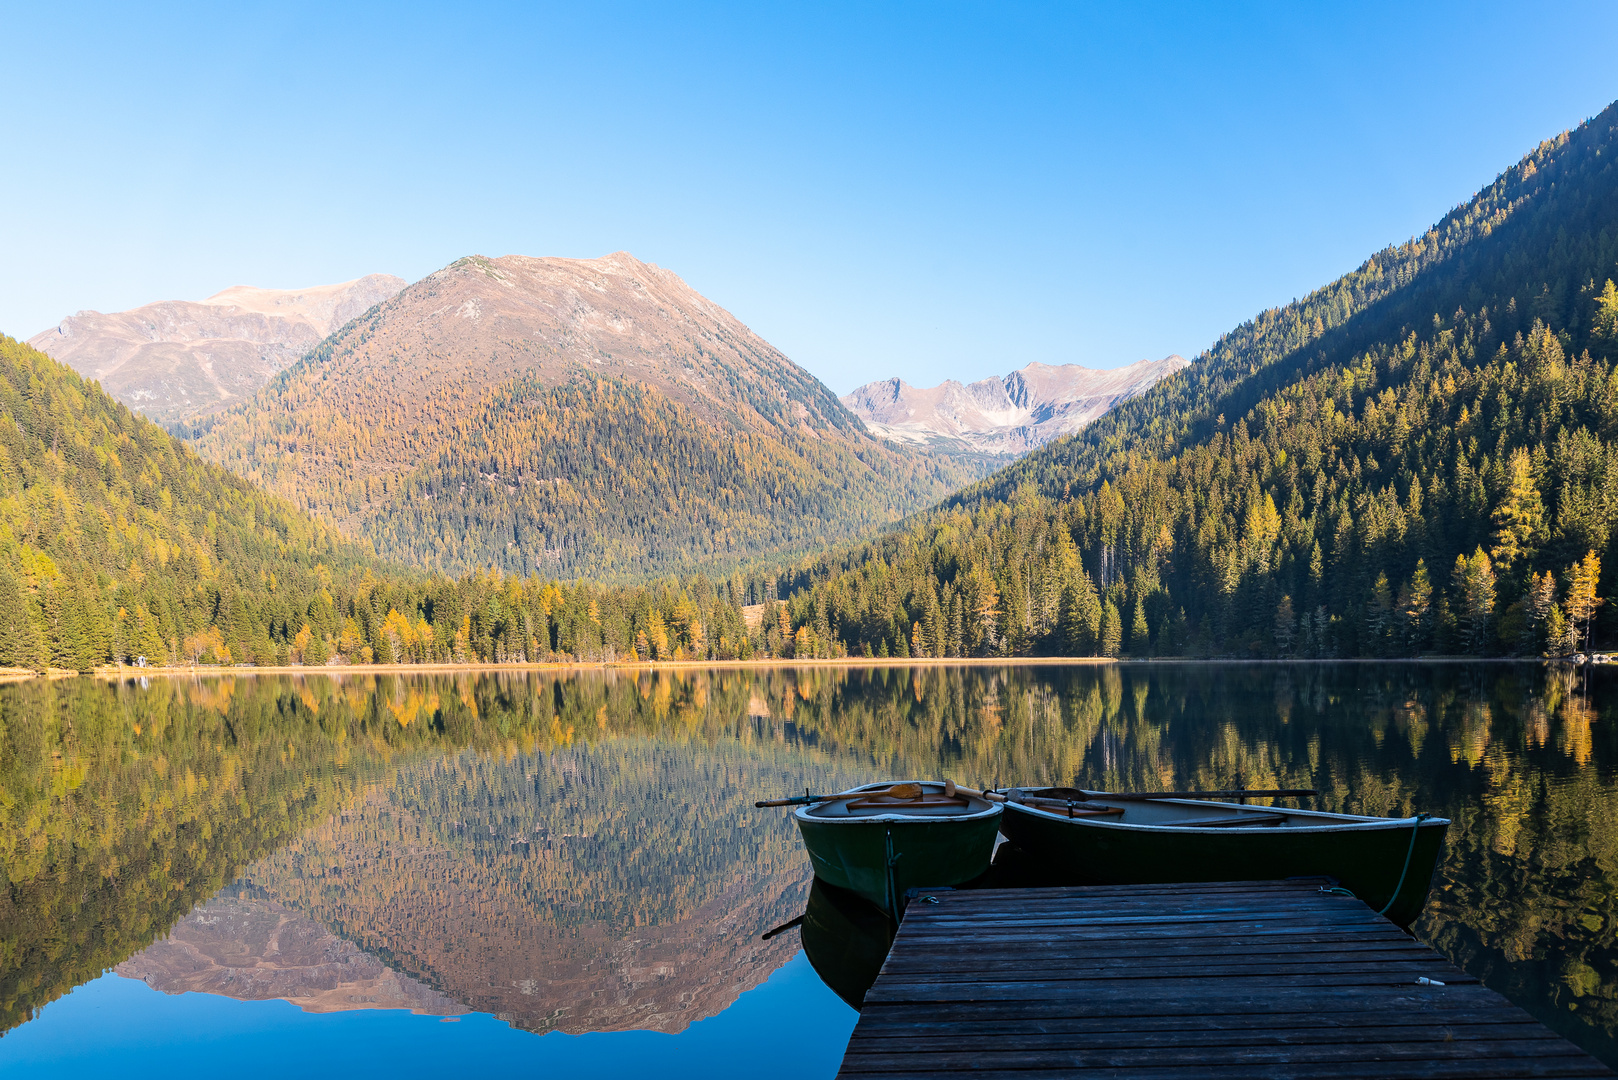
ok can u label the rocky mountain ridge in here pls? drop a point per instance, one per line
(1010, 414)
(179, 359)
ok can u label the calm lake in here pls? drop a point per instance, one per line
(409, 875)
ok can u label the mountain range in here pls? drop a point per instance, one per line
(1421, 455)
(564, 417)
(177, 359)
(569, 417)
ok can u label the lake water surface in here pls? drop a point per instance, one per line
(410, 875)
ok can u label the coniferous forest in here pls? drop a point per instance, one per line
(1416, 459)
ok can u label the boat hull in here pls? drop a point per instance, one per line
(880, 858)
(1366, 859)
(846, 941)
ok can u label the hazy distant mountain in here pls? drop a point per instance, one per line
(1008, 415)
(589, 417)
(177, 359)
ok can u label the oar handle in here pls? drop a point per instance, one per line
(991, 796)
(805, 800)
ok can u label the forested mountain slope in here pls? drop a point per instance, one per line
(577, 418)
(116, 539)
(117, 542)
(1419, 456)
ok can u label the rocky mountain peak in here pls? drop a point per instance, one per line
(1008, 414)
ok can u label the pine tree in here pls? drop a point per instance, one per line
(657, 634)
(1139, 641)
(1379, 614)
(1582, 601)
(1520, 517)
(19, 637)
(1540, 633)
(1286, 627)
(316, 652)
(956, 619)
(937, 636)
(1606, 314)
(1559, 633)
(1474, 586)
(1112, 629)
(1079, 624)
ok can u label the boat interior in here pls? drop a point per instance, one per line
(874, 801)
(1177, 813)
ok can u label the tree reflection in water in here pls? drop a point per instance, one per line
(580, 851)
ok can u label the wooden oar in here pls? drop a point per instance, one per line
(1235, 793)
(897, 791)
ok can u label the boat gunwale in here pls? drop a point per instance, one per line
(1338, 822)
(991, 809)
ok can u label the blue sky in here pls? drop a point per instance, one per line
(926, 190)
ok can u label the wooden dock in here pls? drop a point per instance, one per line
(1244, 979)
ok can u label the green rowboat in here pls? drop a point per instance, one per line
(880, 846)
(1386, 862)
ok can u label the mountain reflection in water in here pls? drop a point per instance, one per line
(252, 949)
(580, 852)
(619, 887)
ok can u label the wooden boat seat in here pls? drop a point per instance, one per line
(888, 802)
(1227, 821)
(1075, 811)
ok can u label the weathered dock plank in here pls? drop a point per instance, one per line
(1244, 979)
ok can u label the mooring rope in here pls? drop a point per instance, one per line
(1414, 829)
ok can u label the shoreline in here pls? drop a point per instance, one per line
(9, 675)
